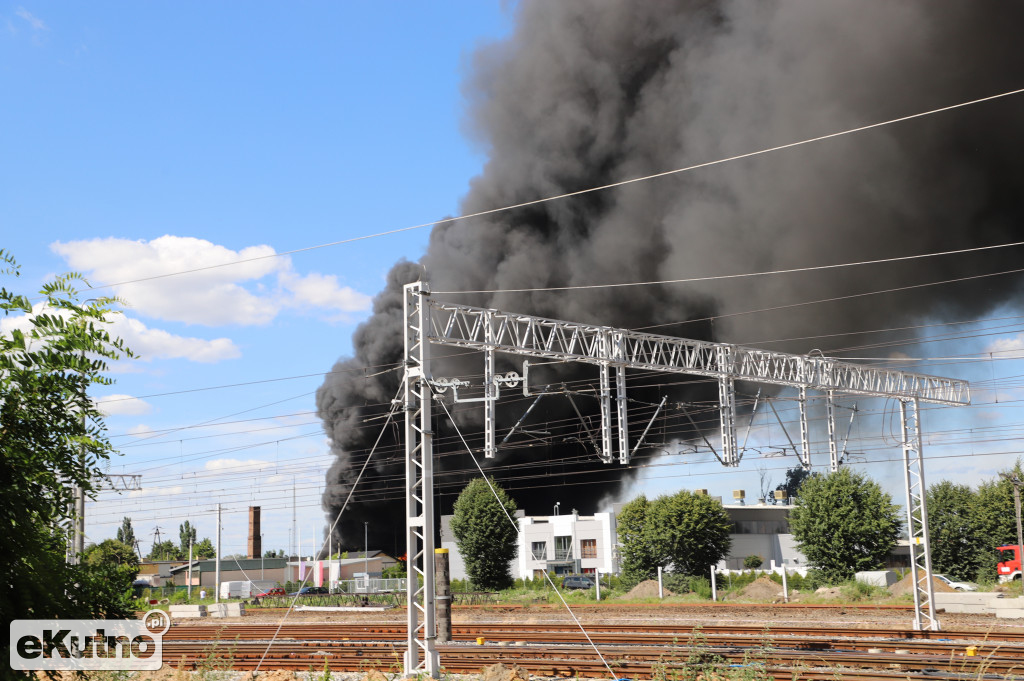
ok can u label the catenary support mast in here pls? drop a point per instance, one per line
(490, 331)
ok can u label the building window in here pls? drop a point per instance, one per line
(588, 548)
(540, 550)
(563, 548)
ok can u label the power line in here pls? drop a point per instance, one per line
(743, 275)
(580, 192)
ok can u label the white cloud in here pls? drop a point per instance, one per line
(122, 405)
(214, 294)
(1006, 348)
(141, 429)
(35, 22)
(323, 291)
(146, 343)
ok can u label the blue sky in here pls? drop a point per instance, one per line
(148, 138)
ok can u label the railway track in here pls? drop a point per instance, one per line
(637, 652)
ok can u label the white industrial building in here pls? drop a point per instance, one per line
(563, 544)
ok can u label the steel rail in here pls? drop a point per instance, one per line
(326, 631)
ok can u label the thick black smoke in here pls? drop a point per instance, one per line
(587, 93)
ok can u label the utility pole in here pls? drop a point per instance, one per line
(1016, 482)
(366, 552)
(216, 569)
(295, 530)
(190, 568)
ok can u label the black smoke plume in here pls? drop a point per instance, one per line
(591, 92)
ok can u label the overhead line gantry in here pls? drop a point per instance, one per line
(428, 321)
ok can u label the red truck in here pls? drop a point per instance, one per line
(1008, 568)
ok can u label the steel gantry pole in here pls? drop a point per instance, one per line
(917, 517)
(420, 654)
(833, 444)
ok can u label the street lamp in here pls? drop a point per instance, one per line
(366, 552)
(557, 504)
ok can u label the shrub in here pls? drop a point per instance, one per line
(753, 562)
(701, 586)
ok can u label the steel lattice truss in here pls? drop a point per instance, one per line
(471, 327)
(490, 331)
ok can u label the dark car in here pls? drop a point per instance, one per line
(577, 582)
(311, 591)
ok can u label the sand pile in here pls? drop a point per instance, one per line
(762, 589)
(646, 589)
(906, 585)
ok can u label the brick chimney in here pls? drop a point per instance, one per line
(255, 541)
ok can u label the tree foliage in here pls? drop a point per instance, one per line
(186, 536)
(166, 550)
(684, 532)
(203, 549)
(126, 533)
(954, 539)
(113, 552)
(639, 558)
(994, 519)
(486, 538)
(794, 479)
(844, 523)
(52, 437)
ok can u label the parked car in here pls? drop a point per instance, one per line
(311, 591)
(959, 586)
(577, 582)
(272, 593)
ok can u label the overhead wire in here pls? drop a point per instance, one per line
(579, 192)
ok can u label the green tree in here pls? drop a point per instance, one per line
(794, 478)
(994, 520)
(486, 538)
(165, 550)
(126, 533)
(639, 557)
(684, 532)
(953, 538)
(186, 536)
(844, 523)
(203, 549)
(111, 551)
(112, 566)
(689, 532)
(52, 438)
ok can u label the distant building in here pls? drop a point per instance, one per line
(231, 570)
(320, 572)
(563, 544)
